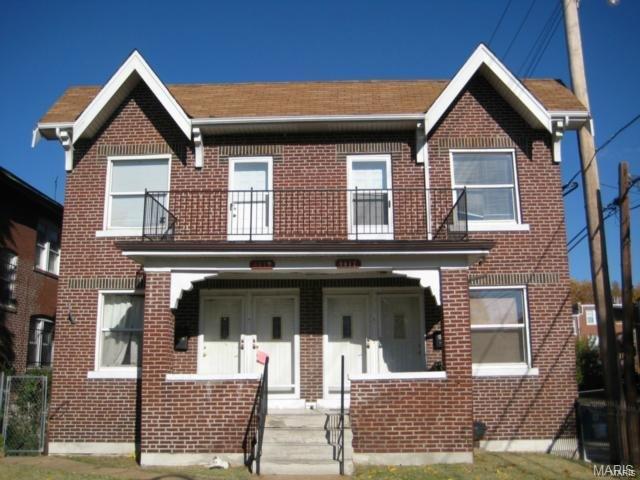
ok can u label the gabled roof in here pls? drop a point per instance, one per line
(515, 92)
(389, 103)
(109, 97)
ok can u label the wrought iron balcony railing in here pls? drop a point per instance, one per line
(316, 215)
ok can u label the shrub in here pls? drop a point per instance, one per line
(589, 373)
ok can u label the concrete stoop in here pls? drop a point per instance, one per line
(301, 442)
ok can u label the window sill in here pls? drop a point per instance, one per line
(122, 232)
(498, 227)
(114, 374)
(504, 370)
(203, 377)
(399, 376)
(46, 273)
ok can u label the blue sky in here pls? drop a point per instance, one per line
(47, 46)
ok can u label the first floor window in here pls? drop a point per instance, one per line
(121, 330)
(490, 181)
(499, 326)
(8, 274)
(129, 178)
(48, 247)
(40, 349)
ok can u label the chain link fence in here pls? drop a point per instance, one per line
(25, 414)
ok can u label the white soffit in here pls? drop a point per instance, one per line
(133, 70)
(483, 61)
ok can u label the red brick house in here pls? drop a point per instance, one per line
(415, 227)
(30, 225)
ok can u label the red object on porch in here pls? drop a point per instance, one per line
(261, 357)
(262, 264)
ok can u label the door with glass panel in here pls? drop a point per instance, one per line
(274, 317)
(347, 330)
(370, 202)
(222, 335)
(250, 199)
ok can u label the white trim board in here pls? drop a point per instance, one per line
(484, 61)
(134, 69)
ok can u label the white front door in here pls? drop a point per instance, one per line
(221, 327)
(275, 325)
(235, 326)
(250, 199)
(379, 331)
(400, 341)
(370, 210)
(347, 330)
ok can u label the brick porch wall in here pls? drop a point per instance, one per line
(423, 415)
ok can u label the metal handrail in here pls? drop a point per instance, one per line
(158, 223)
(452, 226)
(254, 433)
(341, 423)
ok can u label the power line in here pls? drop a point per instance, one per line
(495, 30)
(535, 64)
(539, 41)
(601, 147)
(515, 37)
(608, 212)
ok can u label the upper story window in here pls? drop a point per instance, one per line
(48, 247)
(127, 180)
(40, 349)
(8, 275)
(591, 317)
(499, 326)
(491, 182)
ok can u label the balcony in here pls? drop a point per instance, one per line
(289, 215)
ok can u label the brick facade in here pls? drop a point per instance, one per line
(418, 415)
(35, 290)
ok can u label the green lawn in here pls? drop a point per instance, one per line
(486, 466)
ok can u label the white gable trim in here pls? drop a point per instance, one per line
(482, 56)
(135, 64)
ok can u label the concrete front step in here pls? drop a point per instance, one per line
(295, 421)
(299, 435)
(307, 468)
(304, 451)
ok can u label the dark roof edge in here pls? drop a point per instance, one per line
(32, 191)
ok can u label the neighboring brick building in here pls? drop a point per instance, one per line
(415, 227)
(30, 224)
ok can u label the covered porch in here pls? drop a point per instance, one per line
(398, 314)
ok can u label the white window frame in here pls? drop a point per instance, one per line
(107, 229)
(13, 261)
(351, 159)
(491, 225)
(111, 372)
(230, 184)
(506, 368)
(46, 247)
(41, 321)
(590, 312)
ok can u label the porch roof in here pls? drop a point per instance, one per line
(357, 247)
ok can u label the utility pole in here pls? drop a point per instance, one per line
(631, 394)
(595, 229)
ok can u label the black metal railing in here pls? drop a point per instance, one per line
(158, 222)
(254, 433)
(456, 222)
(306, 214)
